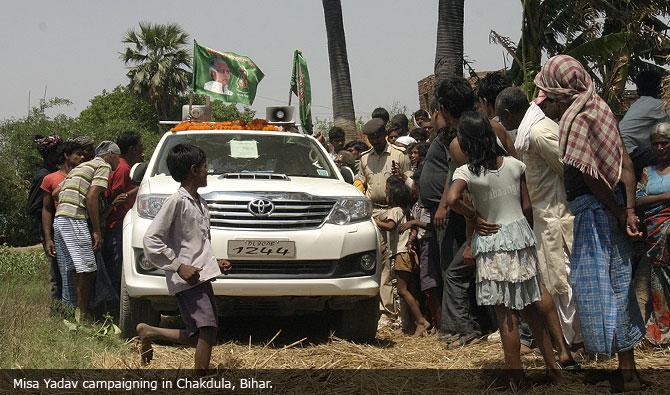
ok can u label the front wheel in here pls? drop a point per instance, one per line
(134, 311)
(359, 323)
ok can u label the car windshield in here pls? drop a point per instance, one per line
(253, 153)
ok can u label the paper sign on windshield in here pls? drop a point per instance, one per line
(244, 149)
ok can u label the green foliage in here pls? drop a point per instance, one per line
(614, 39)
(18, 160)
(20, 265)
(600, 48)
(115, 112)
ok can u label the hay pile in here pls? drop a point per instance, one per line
(390, 351)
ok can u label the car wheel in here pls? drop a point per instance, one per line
(359, 323)
(134, 311)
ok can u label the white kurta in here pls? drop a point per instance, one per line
(552, 219)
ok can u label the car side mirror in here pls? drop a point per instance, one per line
(347, 174)
(137, 172)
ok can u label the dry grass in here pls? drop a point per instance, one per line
(284, 350)
(35, 340)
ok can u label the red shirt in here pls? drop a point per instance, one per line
(51, 181)
(119, 182)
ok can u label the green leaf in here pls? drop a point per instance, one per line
(601, 47)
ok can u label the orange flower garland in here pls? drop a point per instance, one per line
(256, 124)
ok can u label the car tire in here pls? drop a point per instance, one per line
(134, 311)
(360, 323)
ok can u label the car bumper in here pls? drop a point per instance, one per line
(330, 242)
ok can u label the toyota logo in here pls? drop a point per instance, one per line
(261, 207)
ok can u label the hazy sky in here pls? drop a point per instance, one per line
(72, 47)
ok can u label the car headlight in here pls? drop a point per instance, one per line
(149, 205)
(142, 262)
(348, 210)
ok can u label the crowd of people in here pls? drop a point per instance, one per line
(77, 202)
(540, 222)
(504, 218)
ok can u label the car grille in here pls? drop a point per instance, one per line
(290, 269)
(288, 213)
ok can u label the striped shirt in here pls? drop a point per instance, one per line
(72, 197)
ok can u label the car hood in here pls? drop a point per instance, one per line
(313, 186)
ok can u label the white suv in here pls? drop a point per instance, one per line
(300, 239)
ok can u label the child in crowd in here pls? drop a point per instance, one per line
(421, 230)
(178, 241)
(404, 264)
(417, 153)
(506, 274)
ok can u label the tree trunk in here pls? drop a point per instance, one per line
(340, 80)
(449, 50)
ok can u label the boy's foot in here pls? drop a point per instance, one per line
(422, 329)
(621, 382)
(146, 350)
(525, 350)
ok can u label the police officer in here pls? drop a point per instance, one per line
(377, 165)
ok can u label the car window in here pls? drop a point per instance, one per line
(253, 153)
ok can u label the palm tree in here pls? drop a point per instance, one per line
(449, 50)
(340, 79)
(158, 64)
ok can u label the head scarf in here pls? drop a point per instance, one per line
(589, 136)
(46, 144)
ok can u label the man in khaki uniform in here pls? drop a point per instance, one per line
(377, 165)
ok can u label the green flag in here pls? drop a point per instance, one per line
(301, 87)
(225, 76)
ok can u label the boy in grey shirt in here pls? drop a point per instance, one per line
(179, 242)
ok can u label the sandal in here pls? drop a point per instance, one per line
(465, 340)
(448, 337)
(570, 366)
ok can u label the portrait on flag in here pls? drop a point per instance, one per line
(220, 74)
(225, 76)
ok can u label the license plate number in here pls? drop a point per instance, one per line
(261, 249)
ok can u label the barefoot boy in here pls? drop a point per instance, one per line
(178, 241)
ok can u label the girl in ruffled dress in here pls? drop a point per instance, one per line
(506, 275)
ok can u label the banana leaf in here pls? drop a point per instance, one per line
(601, 47)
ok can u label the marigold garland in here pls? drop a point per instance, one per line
(256, 124)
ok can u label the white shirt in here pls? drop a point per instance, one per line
(217, 87)
(496, 194)
(180, 235)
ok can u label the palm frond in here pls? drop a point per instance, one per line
(506, 43)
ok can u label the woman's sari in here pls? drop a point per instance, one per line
(657, 223)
